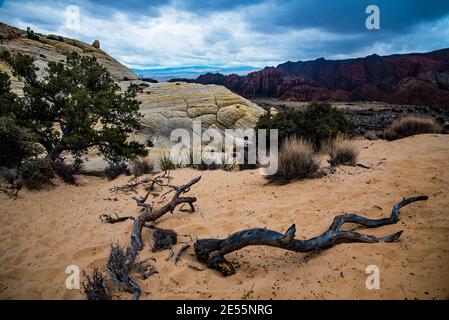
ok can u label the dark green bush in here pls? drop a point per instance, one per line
(36, 172)
(64, 171)
(318, 123)
(16, 143)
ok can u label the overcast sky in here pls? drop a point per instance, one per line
(170, 33)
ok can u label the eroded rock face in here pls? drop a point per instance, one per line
(407, 79)
(176, 105)
(56, 48)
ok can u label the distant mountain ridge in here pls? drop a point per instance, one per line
(416, 78)
(190, 72)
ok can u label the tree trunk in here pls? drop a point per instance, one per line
(56, 151)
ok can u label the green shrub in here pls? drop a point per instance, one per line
(16, 143)
(36, 172)
(297, 160)
(411, 125)
(166, 163)
(342, 151)
(318, 123)
(64, 171)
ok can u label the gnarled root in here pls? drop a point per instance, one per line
(212, 251)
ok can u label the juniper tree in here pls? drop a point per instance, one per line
(77, 106)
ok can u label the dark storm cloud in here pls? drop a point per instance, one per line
(248, 32)
(343, 16)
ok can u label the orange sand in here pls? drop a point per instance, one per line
(42, 232)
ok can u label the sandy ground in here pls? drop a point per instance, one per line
(43, 232)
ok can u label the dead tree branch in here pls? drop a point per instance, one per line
(160, 180)
(149, 215)
(212, 251)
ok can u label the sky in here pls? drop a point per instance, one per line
(234, 34)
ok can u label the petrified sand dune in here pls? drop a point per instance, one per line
(172, 105)
(43, 232)
(55, 48)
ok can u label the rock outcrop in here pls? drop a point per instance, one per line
(168, 106)
(418, 78)
(165, 106)
(45, 48)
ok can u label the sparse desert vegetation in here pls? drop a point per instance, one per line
(342, 151)
(318, 123)
(142, 166)
(411, 125)
(297, 160)
(87, 147)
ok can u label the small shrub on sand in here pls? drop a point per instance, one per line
(95, 287)
(342, 151)
(16, 143)
(120, 263)
(225, 162)
(411, 125)
(297, 160)
(13, 181)
(65, 171)
(116, 169)
(142, 166)
(36, 172)
(166, 163)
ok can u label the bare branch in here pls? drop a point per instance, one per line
(212, 251)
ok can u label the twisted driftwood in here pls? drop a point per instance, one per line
(212, 251)
(149, 215)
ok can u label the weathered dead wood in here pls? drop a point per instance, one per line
(119, 265)
(163, 239)
(212, 251)
(108, 218)
(181, 251)
(149, 215)
(161, 180)
(94, 286)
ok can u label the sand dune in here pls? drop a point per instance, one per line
(43, 232)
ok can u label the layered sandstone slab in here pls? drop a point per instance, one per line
(176, 105)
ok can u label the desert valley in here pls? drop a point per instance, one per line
(372, 131)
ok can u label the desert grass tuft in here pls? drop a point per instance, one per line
(297, 160)
(411, 125)
(142, 166)
(342, 151)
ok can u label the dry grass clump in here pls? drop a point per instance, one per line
(166, 163)
(120, 263)
(342, 151)
(95, 287)
(142, 166)
(411, 125)
(297, 160)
